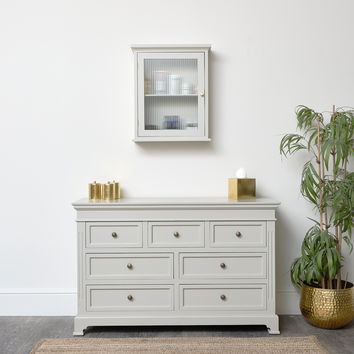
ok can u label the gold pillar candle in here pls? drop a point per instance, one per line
(116, 190)
(94, 191)
(242, 188)
(107, 191)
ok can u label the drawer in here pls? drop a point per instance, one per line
(117, 234)
(223, 297)
(129, 266)
(237, 234)
(228, 265)
(129, 298)
(176, 234)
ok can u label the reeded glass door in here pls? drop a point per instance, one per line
(171, 98)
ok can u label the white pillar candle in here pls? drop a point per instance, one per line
(241, 173)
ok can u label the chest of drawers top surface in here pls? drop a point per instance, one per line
(201, 202)
(218, 208)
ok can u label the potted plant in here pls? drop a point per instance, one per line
(327, 297)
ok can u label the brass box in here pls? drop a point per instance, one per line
(242, 188)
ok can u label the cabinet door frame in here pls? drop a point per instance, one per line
(141, 94)
(199, 52)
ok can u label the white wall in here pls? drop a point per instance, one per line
(66, 110)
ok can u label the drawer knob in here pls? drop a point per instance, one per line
(238, 233)
(114, 235)
(176, 234)
(130, 297)
(223, 297)
(222, 265)
(129, 266)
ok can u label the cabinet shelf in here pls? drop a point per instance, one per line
(168, 95)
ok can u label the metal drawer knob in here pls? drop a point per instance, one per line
(129, 266)
(222, 265)
(238, 233)
(176, 234)
(130, 297)
(223, 297)
(114, 234)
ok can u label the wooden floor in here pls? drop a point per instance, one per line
(19, 334)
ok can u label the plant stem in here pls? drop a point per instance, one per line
(323, 283)
(338, 228)
(346, 281)
(319, 162)
(339, 248)
(327, 225)
(345, 169)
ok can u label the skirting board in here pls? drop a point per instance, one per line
(38, 302)
(288, 302)
(62, 302)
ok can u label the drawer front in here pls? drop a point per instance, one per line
(121, 234)
(236, 266)
(129, 298)
(129, 266)
(238, 234)
(223, 297)
(176, 234)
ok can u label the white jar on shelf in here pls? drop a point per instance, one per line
(187, 88)
(174, 84)
(160, 82)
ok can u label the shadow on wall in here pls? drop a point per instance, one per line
(172, 148)
(285, 237)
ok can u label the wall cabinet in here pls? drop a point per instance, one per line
(197, 261)
(171, 92)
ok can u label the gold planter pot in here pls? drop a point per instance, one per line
(327, 308)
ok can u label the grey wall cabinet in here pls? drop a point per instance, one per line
(171, 92)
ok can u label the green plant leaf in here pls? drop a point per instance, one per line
(291, 143)
(310, 182)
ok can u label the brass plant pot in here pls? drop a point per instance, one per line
(327, 308)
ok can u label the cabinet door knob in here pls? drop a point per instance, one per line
(201, 93)
(130, 297)
(238, 233)
(223, 265)
(129, 266)
(176, 234)
(223, 297)
(114, 235)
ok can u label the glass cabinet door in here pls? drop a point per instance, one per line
(171, 94)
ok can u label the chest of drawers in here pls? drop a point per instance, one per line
(200, 261)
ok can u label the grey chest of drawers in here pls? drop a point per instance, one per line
(190, 261)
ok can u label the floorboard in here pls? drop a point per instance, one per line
(18, 335)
